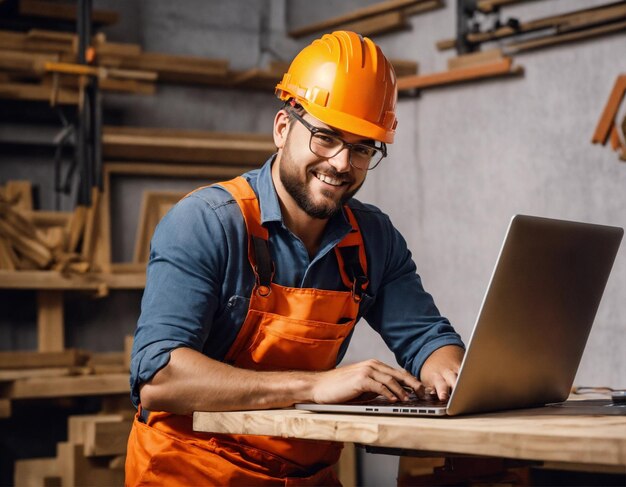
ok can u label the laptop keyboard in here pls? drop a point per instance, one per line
(413, 402)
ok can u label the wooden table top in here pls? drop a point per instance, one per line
(525, 434)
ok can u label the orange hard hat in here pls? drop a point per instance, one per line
(345, 81)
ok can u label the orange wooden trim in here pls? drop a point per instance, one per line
(614, 137)
(610, 110)
(459, 75)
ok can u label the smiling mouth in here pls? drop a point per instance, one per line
(329, 179)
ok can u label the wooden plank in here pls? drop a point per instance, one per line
(487, 6)
(526, 434)
(63, 11)
(474, 58)
(103, 439)
(84, 385)
(378, 24)
(19, 41)
(404, 67)
(34, 92)
(37, 360)
(372, 10)
(20, 194)
(50, 322)
(76, 469)
(89, 235)
(8, 375)
(8, 259)
(28, 247)
(128, 349)
(44, 219)
(347, 466)
(77, 425)
(460, 75)
(37, 472)
(423, 7)
(186, 146)
(153, 206)
(54, 280)
(517, 47)
(25, 62)
(593, 17)
(213, 172)
(5, 408)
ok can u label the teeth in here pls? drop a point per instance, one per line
(328, 180)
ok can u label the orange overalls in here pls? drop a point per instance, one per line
(285, 329)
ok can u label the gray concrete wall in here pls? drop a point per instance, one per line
(466, 157)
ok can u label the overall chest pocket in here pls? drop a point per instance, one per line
(282, 343)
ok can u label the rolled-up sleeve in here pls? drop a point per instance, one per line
(403, 313)
(184, 276)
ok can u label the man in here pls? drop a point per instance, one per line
(254, 287)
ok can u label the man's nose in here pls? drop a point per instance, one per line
(341, 161)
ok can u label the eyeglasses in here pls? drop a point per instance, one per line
(325, 144)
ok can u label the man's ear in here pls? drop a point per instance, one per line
(281, 128)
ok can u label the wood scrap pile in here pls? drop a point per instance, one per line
(94, 454)
(547, 31)
(32, 240)
(612, 124)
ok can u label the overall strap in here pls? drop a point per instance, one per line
(258, 247)
(352, 260)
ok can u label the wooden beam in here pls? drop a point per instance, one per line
(50, 322)
(35, 92)
(103, 438)
(37, 472)
(154, 205)
(53, 280)
(76, 469)
(83, 385)
(5, 408)
(379, 24)
(76, 425)
(517, 47)
(370, 11)
(35, 360)
(214, 172)
(488, 6)
(186, 146)
(474, 58)
(471, 73)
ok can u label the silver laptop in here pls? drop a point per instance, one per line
(533, 324)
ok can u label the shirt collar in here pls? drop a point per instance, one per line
(338, 225)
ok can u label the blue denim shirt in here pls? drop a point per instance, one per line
(199, 279)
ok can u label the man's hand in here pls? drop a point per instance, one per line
(439, 372)
(371, 376)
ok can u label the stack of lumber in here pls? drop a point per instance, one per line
(380, 18)
(548, 31)
(610, 127)
(41, 65)
(32, 240)
(62, 374)
(94, 454)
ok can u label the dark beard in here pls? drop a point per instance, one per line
(299, 191)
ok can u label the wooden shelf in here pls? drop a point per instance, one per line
(148, 144)
(497, 68)
(55, 281)
(72, 386)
